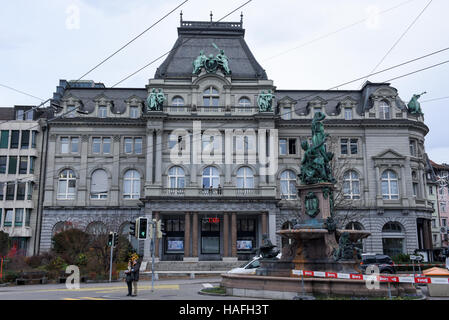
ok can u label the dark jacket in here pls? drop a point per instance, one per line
(135, 271)
(129, 276)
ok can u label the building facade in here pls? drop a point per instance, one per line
(442, 180)
(219, 169)
(21, 141)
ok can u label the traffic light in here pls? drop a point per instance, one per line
(115, 239)
(110, 239)
(143, 227)
(160, 231)
(132, 228)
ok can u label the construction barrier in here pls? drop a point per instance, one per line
(420, 265)
(381, 278)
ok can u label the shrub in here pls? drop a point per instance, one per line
(70, 244)
(5, 243)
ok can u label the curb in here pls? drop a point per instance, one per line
(212, 294)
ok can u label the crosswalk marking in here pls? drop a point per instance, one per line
(162, 286)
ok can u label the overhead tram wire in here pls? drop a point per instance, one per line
(399, 39)
(22, 92)
(280, 115)
(436, 99)
(336, 31)
(99, 64)
(173, 49)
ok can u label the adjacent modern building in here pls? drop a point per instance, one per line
(219, 170)
(442, 179)
(21, 141)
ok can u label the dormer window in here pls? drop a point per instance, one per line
(133, 112)
(178, 101)
(70, 111)
(211, 97)
(384, 110)
(102, 112)
(19, 114)
(286, 113)
(317, 109)
(348, 113)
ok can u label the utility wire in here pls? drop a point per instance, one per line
(400, 38)
(436, 99)
(19, 91)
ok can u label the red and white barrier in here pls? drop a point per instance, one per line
(420, 265)
(381, 278)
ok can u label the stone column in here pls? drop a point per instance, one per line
(225, 235)
(187, 235)
(158, 170)
(264, 223)
(234, 234)
(195, 235)
(149, 160)
(115, 185)
(82, 190)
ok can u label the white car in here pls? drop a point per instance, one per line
(250, 267)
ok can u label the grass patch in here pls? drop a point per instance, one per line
(215, 290)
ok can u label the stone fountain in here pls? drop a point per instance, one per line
(316, 244)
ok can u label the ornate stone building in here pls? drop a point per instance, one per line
(217, 161)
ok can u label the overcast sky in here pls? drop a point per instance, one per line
(47, 40)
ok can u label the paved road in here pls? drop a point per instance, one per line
(163, 290)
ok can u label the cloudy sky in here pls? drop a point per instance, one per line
(301, 44)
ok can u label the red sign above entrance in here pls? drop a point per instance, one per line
(214, 220)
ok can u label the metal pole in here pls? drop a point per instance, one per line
(302, 283)
(389, 291)
(153, 225)
(110, 264)
(1, 270)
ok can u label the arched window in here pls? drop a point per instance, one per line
(178, 101)
(393, 239)
(245, 178)
(176, 178)
(66, 185)
(211, 177)
(61, 226)
(211, 97)
(384, 110)
(244, 102)
(99, 185)
(354, 226)
(288, 185)
(351, 185)
(131, 185)
(390, 190)
(96, 228)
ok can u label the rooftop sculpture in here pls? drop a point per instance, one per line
(211, 64)
(414, 107)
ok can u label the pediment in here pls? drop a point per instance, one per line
(287, 100)
(102, 97)
(385, 91)
(134, 98)
(348, 100)
(317, 101)
(390, 155)
(72, 97)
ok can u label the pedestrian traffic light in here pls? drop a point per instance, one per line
(160, 229)
(110, 239)
(143, 226)
(115, 239)
(132, 228)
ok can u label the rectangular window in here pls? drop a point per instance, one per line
(10, 190)
(74, 144)
(287, 113)
(138, 145)
(172, 140)
(415, 189)
(18, 220)
(29, 115)
(21, 186)
(8, 217)
(25, 143)
(443, 206)
(71, 111)
(434, 223)
(20, 114)
(2, 190)
(12, 169)
(30, 190)
(23, 165)
(291, 146)
(33, 138)
(133, 112)
(107, 145)
(282, 147)
(15, 139)
(354, 144)
(348, 113)
(64, 145)
(348, 145)
(3, 160)
(444, 222)
(4, 139)
(32, 164)
(96, 145)
(28, 218)
(413, 148)
(128, 145)
(344, 146)
(317, 109)
(102, 112)
(430, 190)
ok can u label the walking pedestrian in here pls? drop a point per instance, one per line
(129, 278)
(135, 271)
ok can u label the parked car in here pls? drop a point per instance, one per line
(250, 267)
(384, 262)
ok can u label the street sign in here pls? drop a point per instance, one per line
(416, 258)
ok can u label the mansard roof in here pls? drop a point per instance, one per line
(194, 36)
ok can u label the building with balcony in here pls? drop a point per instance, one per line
(220, 171)
(21, 142)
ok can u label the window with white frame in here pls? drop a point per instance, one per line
(102, 112)
(176, 178)
(286, 113)
(351, 185)
(99, 185)
(390, 189)
(245, 178)
(348, 113)
(134, 112)
(211, 177)
(66, 185)
(131, 185)
(384, 110)
(288, 185)
(211, 97)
